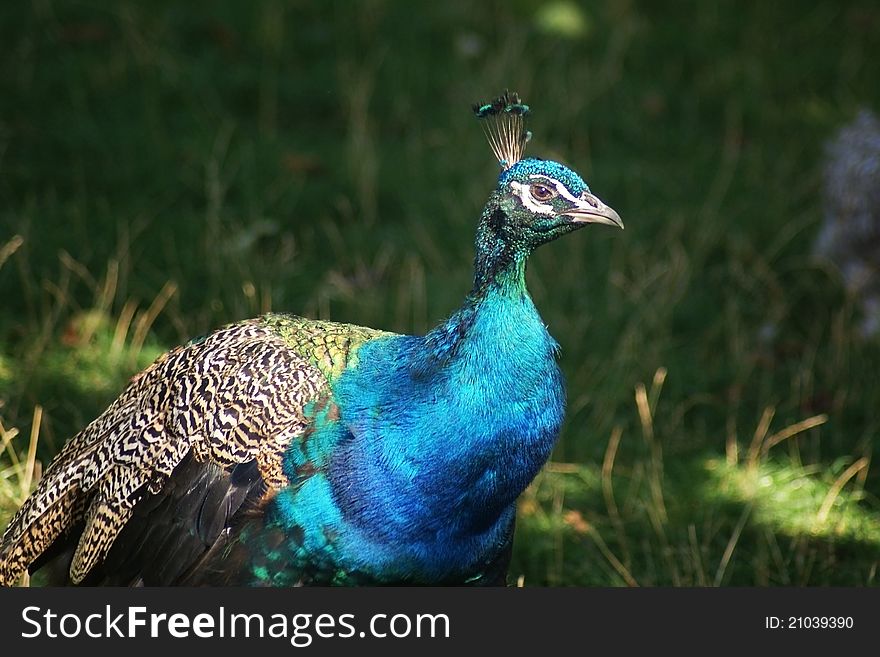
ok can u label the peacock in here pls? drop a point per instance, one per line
(285, 451)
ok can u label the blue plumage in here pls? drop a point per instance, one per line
(427, 459)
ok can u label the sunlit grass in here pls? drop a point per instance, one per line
(799, 500)
(90, 359)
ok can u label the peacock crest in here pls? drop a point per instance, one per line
(503, 121)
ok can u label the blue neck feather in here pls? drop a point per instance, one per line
(437, 435)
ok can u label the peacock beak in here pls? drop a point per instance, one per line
(590, 209)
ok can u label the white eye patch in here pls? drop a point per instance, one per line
(522, 191)
(561, 189)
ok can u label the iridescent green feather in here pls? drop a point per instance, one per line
(329, 346)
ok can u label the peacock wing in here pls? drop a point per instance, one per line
(192, 438)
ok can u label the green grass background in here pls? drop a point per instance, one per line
(168, 167)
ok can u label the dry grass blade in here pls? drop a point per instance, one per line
(657, 387)
(31, 462)
(8, 436)
(613, 560)
(122, 326)
(696, 556)
(10, 247)
(644, 408)
(793, 430)
(834, 491)
(77, 268)
(658, 508)
(731, 446)
(108, 290)
(731, 545)
(608, 491)
(562, 468)
(607, 468)
(760, 433)
(145, 321)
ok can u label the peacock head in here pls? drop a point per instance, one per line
(543, 200)
(536, 200)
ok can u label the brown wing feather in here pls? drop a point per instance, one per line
(236, 396)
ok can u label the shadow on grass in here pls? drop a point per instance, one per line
(712, 524)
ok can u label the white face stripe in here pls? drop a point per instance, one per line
(561, 189)
(528, 201)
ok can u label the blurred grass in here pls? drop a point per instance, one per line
(168, 168)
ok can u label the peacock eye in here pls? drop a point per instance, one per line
(541, 192)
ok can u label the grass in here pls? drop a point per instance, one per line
(168, 170)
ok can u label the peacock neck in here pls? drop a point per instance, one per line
(498, 292)
(499, 259)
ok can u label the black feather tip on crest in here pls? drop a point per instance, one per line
(509, 102)
(503, 122)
